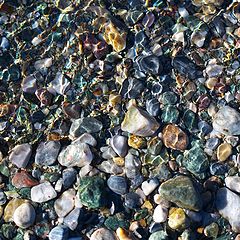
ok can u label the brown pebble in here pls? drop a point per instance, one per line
(174, 137)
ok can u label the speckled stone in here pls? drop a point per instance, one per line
(23, 179)
(181, 191)
(170, 114)
(43, 192)
(174, 137)
(159, 235)
(211, 230)
(24, 215)
(47, 153)
(149, 186)
(117, 184)
(139, 122)
(224, 150)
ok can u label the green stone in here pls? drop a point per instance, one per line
(141, 214)
(169, 98)
(170, 114)
(91, 192)
(9, 231)
(114, 222)
(159, 235)
(196, 160)
(189, 119)
(25, 193)
(211, 230)
(181, 191)
(154, 146)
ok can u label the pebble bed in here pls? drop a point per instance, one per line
(119, 119)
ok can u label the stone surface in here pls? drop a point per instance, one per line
(75, 155)
(103, 234)
(47, 153)
(233, 182)
(3, 198)
(119, 145)
(139, 122)
(65, 203)
(117, 184)
(149, 186)
(24, 215)
(228, 205)
(133, 200)
(23, 179)
(227, 121)
(43, 192)
(71, 220)
(177, 219)
(68, 176)
(181, 191)
(20, 155)
(174, 137)
(224, 150)
(86, 138)
(160, 214)
(159, 235)
(59, 233)
(92, 192)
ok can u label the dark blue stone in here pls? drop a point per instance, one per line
(117, 184)
(212, 143)
(218, 168)
(204, 127)
(132, 200)
(69, 176)
(153, 107)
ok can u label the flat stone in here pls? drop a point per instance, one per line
(181, 191)
(228, 205)
(233, 182)
(20, 155)
(119, 145)
(139, 122)
(59, 233)
(24, 215)
(117, 184)
(47, 153)
(174, 137)
(224, 150)
(65, 203)
(71, 220)
(43, 192)
(103, 234)
(23, 179)
(75, 155)
(227, 121)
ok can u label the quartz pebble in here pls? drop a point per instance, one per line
(139, 122)
(149, 186)
(20, 155)
(71, 220)
(43, 192)
(24, 215)
(224, 150)
(103, 234)
(119, 145)
(160, 214)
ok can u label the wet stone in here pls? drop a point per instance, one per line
(149, 64)
(47, 153)
(117, 184)
(132, 88)
(212, 143)
(119, 145)
(170, 114)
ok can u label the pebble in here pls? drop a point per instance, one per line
(139, 122)
(132, 88)
(159, 235)
(177, 219)
(3, 198)
(212, 143)
(149, 186)
(160, 214)
(132, 200)
(211, 230)
(174, 137)
(75, 155)
(122, 234)
(59, 233)
(20, 155)
(71, 220)
(119, 145)
(228, 205)
(24, 215)
(43, 192)
(103, 234)
(132, 166)
(227, 121)
(153, 107)
(65, 203)
(47, 153)
(117, 184)
(224, 150)
(68, 176)
(233, 183)
(181, 191)
(23, 179)
(86, 138)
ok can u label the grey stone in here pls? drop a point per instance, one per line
(117, 184)
(59, 233)
(71, 220)
(119, 145)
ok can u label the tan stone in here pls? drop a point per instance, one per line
(224, 150)
(177, 219)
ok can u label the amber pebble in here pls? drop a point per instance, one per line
(177, 219)
(174, 137)
(136, 142)
(122, 234)
(119, 161)
(23, 179)
(72, 110)
(224, 150)
(7, 109)
(53, 136)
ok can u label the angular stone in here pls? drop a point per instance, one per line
(181, 191)
(228, 205)
(174, 137)
(65, 203)
(227, 121)
(23, 179)
(177, 219)
(47, 153)
(24, 215)
(86, 138)
(71, 220)
(20, 155)
(149, 186)
(139, 122)
(92, 192)
(75, 155)
(160, 214)
(43, 192)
